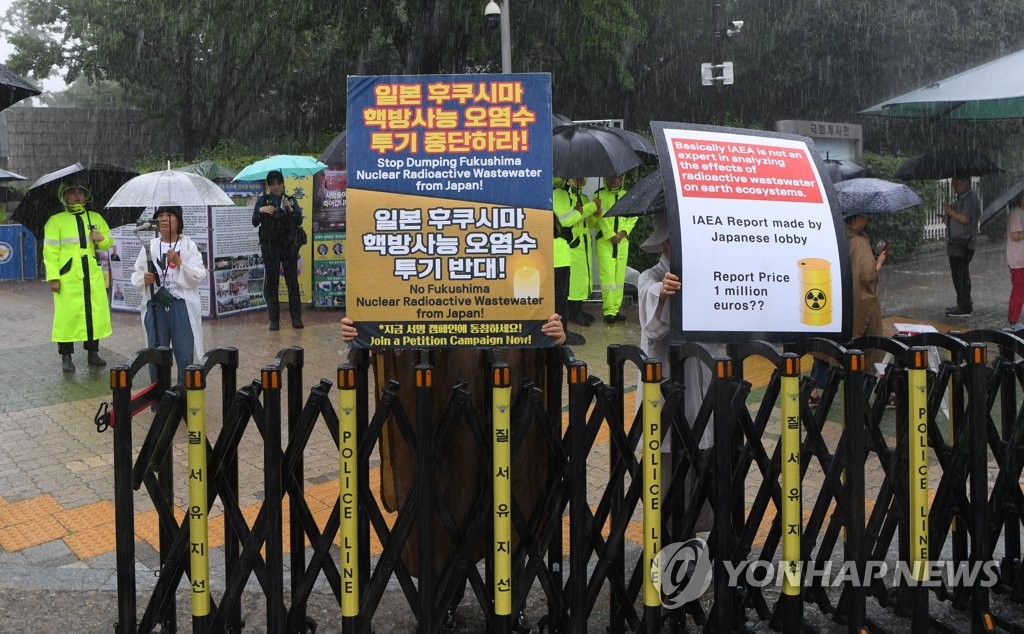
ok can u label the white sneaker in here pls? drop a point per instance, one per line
(1017, 327)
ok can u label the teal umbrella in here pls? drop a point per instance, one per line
(991, 91)
(287, 164)
(209, 169)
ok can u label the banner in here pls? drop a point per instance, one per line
(449, 220)
(329, 270)
(760, 253)
(237, 262)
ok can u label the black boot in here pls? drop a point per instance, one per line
(295, 308)
(577, 315)
(95, 359)
(66, 364)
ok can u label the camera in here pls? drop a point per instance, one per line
(492, 13)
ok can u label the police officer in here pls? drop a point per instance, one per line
(279, 217)
(566, 219)
(581, 278)
(81, 311)
(612, 247)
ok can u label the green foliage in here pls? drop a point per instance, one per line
(903, 230)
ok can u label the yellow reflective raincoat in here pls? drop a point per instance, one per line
(81, 311)
(611, 257)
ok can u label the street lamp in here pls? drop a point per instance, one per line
(499, 15)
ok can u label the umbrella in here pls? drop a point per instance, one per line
(842, 170)
(287, 164)
(169, 186)
(1001, 202)
(581, 150)
(13, 88)
(9, 194)
(873, 196)
(209, 169)
(559, 120)
(994, 90)
(647, 196)
(949, 163)
(643, 146)
(335, 153)
(11, 176)
(102, 179)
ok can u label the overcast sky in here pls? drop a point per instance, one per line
(53, 83)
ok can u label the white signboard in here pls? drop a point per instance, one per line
(756, 245)
(237, 262)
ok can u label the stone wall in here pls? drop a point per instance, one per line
(35, 141)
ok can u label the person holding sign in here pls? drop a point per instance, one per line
(81, 311)
(279, 218)
(961, 229)
(612, 247)
(169, 273)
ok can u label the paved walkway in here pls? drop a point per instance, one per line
(56, 474)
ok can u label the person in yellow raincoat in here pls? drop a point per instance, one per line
(81, 311)
(612, 247)
(567, 223)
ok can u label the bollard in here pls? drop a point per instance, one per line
(981, 618)
(791, 516)
(348, 495)
(917, 466)
(198, 520)
(652, 492)
(501, 406)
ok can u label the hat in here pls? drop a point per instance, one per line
(658, 235)
(170, 208)
(274, 175)
(68, 185)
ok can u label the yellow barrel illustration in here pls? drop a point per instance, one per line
(816, 291)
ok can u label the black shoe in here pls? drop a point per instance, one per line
(95, 359)
(297, 323)
(66, 364)
(957, 312)
(950, 309)
(275, 325)
(574, 339)
(614, 319)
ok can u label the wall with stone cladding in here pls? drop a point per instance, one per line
(35, 141)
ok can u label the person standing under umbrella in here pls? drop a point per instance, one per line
(279, 217)
(612, 246)
(169, 278)
(580, 276)
(961, 230)
(81, 311)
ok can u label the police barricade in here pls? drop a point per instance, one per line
(485, 482)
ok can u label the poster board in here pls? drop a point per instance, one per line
(329, 223)
(237, 266)
(760, 252)
(449, 219)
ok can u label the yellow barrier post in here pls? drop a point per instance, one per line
(501, 403)
(198, 520)
(917, 464)
(348, 492)
(651, 385)
(792, 511)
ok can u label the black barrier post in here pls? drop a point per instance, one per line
(616, 376)
(578, 506)
(272, 486)
(425, 508)
(722, 535)
(232, 541)
(981, 619)
(553, 407)
(124, 504)
(1008, 414)
(297, 538)
(855, 405)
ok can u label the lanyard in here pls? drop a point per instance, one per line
(162, 263)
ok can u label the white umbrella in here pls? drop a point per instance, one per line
(991, 91)
(169, 186)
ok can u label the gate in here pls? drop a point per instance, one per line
(790, 486)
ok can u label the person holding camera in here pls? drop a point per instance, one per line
(81, 311)
(169, 273)
(279, 219)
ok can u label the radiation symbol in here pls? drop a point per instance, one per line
(815, 299)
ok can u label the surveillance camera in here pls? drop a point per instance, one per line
(492, 12)
(735, 26)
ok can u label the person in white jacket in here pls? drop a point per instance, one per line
(169, 273)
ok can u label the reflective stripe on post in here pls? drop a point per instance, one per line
(652, 481)
(348, 492)
(917, 463)
(792, 512)
(501, 405)
(198, 521)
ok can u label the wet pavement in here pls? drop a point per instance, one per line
(56, 476)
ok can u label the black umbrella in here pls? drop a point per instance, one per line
(13, 88)
(9, 194)
(1001, 202)
(949, 163)
(647, 196)
(643, 146)
(842, 170)
(582, 150)
(558, 120)
(102, 180)
(335, 153)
